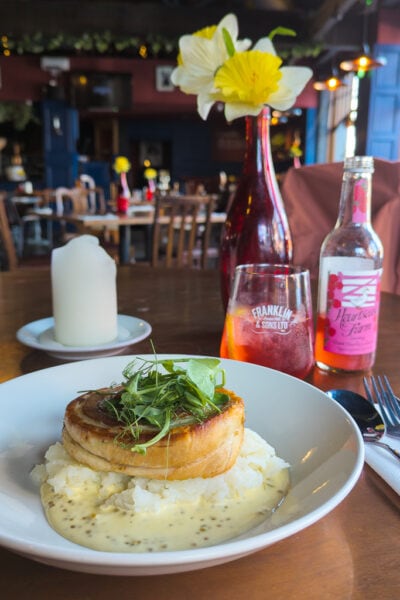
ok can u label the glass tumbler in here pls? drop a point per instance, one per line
(269, 318)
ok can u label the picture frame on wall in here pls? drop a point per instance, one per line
(163, 78)
(151, 151)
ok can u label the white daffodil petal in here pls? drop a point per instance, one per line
(243, 45)
(175, 75)
(199, 62)
(204, 104)
(265, 45)
(296, 77)
(230, 23)
(235, 110)
(290, 86)
(199, 51)
(191, 81)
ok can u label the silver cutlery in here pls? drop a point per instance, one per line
(382, 394)
(365, 415)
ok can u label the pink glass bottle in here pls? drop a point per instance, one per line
(349, 278)
(256, 228)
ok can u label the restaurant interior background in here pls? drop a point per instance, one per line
(82, 81)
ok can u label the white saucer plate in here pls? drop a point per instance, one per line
(312, 432)
(40, 335)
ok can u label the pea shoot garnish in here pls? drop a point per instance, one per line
(159, 395)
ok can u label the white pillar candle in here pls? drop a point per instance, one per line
(84, 292)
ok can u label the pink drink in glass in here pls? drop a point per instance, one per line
(269, 319)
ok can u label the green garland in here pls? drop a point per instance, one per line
(106, 42)
(17, 113)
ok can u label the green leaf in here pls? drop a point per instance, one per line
(281, 31)
(165, 394)
(202, 373)
(230, 46)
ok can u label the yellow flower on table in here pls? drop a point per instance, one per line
(121, 165)
(216, 66)
(150, 173)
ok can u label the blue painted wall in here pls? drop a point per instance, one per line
(383, 139)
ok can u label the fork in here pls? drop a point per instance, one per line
(388, 403)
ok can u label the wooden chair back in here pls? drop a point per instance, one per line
(181, 231)
(6, 235)
(74, 200)
(96, 198)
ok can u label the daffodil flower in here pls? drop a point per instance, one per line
(150, 173)
(121, 165)
(217, 67)
(201, 54)
(247, 81)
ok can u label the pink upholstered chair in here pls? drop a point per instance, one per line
(311, 196)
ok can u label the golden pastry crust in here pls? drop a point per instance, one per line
(198, 450)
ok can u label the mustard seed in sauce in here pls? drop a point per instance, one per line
(102, 512)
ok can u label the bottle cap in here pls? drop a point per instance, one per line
(359, 164)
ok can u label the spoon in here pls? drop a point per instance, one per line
(367, 418)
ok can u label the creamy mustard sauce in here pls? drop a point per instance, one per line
(87, 521)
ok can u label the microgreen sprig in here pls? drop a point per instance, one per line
(159, 395)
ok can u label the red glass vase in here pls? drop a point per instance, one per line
(256, 228)
(123, 195)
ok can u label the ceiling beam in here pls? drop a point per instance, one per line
(328, 16)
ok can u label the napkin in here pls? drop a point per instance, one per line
(384, 463)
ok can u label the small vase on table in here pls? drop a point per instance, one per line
(217, 66)
(123, 195)
(256, 228)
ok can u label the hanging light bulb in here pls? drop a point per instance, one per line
(330, 84)
(363, 63)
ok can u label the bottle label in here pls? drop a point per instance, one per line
(352, 309)
(360, 201)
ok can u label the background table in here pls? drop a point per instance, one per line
(124, 223)
(352, 553)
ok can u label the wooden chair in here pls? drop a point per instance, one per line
(26, 224)
(77, 201)
(96, 198)
(12, 253)
(181, 231)
(72, 200)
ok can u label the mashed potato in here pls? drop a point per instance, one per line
(114, 512)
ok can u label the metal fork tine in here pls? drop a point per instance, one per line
(378, 390)
(392, 399)
(381, 402)
(368, 391)
(392, 418)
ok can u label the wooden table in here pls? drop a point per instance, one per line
(124, 224)
(352, 553)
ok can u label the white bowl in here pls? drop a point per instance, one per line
(308, 429)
